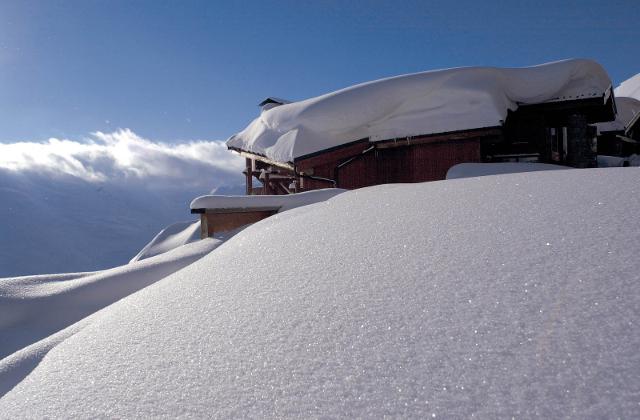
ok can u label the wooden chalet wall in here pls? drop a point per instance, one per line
(324, 165)
(407, 163)
(417, 159)
(426, 161)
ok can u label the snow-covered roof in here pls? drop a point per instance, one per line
(415, 104)
(628, 110)
(278, 202)
(629, 88)
(493, 297)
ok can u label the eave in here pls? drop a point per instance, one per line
(257, 156)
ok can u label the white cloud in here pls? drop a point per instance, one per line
(123, 155)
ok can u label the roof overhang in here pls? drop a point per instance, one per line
(596, 109)
(262, 158)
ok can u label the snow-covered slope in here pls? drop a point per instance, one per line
(494, 297)
(421, 103)
(33, 307)
(171, 237)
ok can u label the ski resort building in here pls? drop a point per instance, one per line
(413, 128)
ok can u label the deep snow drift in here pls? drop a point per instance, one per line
(500, 296)
(171, 237)
(421, 103)
(33, 307)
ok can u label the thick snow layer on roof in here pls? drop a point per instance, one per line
(421, 103)
(495, 297)
(279, 202)
(628, 109)
(468, 170)
(629, 88)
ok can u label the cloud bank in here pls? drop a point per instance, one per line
(125, 156)
(85, 205)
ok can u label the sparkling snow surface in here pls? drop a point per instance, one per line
(630, 87)
(33, 307)
(510, 295)
(421, 103)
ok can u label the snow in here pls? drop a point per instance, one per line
(415, 104)
(605, 161)
(280, 202)
(468, 170)
(169, 238)
(613, 161)
(628, 109)
(493, 297)
(629, 88)
(33, 307)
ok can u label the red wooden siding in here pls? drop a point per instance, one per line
(407, 163)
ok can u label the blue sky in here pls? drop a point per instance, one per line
(179, 70)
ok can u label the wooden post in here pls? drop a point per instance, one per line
(265, 182)
(204, 226)
(249, 175)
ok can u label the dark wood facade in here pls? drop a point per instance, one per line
(558, 132)
(416, 159)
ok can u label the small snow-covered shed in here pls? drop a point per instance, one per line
(220, 214)
(621, 137)
(414, 127)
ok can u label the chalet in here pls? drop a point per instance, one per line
(413, 128)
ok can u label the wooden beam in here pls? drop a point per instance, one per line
(266, 184)
(204, 226)
(285, 165)
(439, 138)
(235, 210)
(249, 175)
